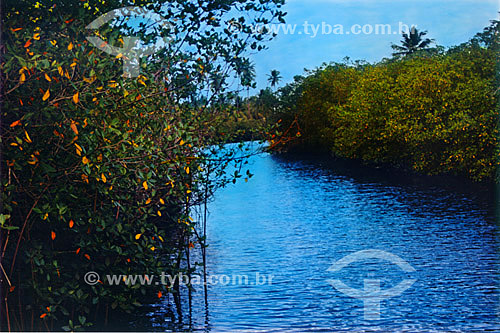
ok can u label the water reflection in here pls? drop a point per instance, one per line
(298, 216)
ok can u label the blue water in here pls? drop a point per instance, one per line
(297, 217)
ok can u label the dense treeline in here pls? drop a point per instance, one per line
(433, 111)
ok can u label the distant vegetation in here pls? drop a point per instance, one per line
(428, 109)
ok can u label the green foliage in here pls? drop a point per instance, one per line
(99, 171)
(434, 113)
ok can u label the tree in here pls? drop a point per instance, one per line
(274, 78)
(102, 169)
(412, 42)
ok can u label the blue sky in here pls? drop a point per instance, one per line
(448, 22)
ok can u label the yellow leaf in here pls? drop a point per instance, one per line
(47, 77)
(159, 213)
(89, 80)
(182, 142)
(75, 98)
(60, 70)
(46, 95)
(36, 36)
(162, 201)
(53, 42)
(28, 139)
(152, 248)
(187, 170)
(103, 177)
(145, 185)
(161, 238)
(73, 64)
(119, 55)
(138, 236)
(85, 160)
(22, 78)
(70, 46)
(78, 150)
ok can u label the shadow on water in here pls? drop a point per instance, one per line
(484, 194)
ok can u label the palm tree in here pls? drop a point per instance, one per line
(274, 78)
(246, 71)
(412, 43)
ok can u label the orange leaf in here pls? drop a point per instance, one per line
(87, 256)
(16, 29)
(71, 223)
(70, 46)
(191, 245)
(28, 43)
(22, 78)
(145, 185)
(43, 315)
(77, 250)
(73, 128)
(75, 98)
(47, 77)
(14, 124)
(103, 177)
(159, 294)
(53, 235)
(85, 160)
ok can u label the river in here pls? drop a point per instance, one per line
(299, 216)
